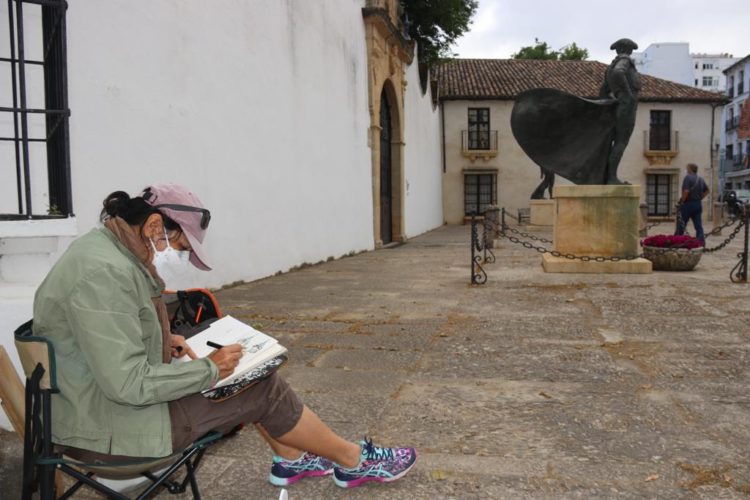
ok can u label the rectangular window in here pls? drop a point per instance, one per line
(480, 191)
(741, 83)
(660, 131)
(708, 81)
(659, 194)
(730, 151)
(479, 128)
(34, 141)
(708, 65)
(696, 82)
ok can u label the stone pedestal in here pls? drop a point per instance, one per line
(542, 212)
(596, 221)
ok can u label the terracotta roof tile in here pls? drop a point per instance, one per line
(506, 78)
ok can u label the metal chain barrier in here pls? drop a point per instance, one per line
(503, 230)
(527, 235)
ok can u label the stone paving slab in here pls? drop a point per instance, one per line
(532, 386)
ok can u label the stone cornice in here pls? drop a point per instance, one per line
(380, 19)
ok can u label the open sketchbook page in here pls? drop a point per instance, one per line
(257, 346)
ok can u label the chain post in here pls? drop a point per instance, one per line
(478, 274)
(484, 238)
(743, 271)
(473, 245)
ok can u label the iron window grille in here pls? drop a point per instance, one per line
(480, 191)
(659, 194)
(660, 131)
(48, 142)
(479, 128)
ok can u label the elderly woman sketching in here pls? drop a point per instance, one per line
(120, 396)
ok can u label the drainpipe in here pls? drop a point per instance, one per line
(711, 158)
(442, 126)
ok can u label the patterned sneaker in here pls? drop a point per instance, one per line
(285, 472)
(376, 464)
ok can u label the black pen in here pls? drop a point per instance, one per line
(214, 345)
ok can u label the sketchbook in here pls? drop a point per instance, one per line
(261, 353)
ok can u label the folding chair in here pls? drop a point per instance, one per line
(40, 459)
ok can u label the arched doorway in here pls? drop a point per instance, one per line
(386, 171)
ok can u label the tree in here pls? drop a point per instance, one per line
(573, 52)
(540, 50)
(436, 24)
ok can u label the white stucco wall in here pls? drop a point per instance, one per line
(260, 107)
(518, 176)
(422, 157)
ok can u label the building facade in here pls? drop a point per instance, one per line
(675, 125)
(669, 61)
(708, 70)
(735, 170)
(673, 61)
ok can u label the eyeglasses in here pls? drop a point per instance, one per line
(205, 214)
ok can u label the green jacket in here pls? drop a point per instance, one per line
(95, 305)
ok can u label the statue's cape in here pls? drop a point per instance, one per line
(565, 134)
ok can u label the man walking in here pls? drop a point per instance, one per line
(694, 189)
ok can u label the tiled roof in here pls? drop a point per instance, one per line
(506, 78)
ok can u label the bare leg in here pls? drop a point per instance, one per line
(312, 435)
(279, 449)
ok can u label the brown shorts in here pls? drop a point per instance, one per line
(271, 402)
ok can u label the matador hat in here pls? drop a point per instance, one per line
(624, 45)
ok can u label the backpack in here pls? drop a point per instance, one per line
(191, 311)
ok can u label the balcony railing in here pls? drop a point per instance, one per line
(661, 156)
(475, 144)
(732, 123)
(733, 164)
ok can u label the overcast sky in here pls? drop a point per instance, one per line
(501, 27)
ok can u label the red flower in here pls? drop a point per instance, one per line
(672, 241)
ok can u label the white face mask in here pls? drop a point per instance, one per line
(170, 264)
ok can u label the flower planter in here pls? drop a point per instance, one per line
(673, 259)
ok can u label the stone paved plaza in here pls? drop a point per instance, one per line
(532, 386)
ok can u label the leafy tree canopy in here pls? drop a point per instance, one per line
(436, 24)
(540, 50)
(573, 52)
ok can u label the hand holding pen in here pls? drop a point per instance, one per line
(226, 358)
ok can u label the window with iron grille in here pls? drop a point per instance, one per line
(480, 191)
(34, 134)
(660, 131)
(659, 194)
(479, 128)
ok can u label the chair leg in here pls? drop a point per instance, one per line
(47, 482)
(92, 483)
(190, 477)
(167, 474)
(193, 481)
